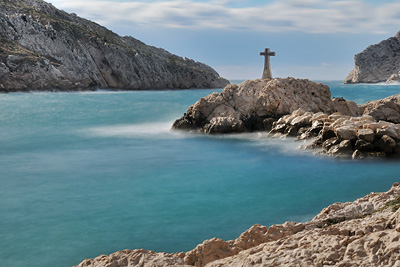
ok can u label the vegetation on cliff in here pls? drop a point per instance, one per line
(42, 47)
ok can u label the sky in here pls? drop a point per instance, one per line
(314, 39)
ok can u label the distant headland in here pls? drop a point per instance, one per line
(44, 48)
(377, 63)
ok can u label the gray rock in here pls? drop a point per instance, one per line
(387, 109)
(377, 63)
(347, 107)
(327, 132)
(223, 125)
(327, 144)
(3, 69)
(344, 148)
(342, 135)
(268, 122)
(394, 78)
(363, 146)
(385, 144)
(46, 48)
(346, 132)
(392, 131)
(366, 134)
(357, 154)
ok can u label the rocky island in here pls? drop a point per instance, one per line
(44, 48)
(377, 63)
(365, 232)
(303, 109)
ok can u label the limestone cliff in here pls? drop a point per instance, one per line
(365, 232)
(377, 63)
(43, 48)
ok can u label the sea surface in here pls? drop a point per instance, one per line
(90, 173)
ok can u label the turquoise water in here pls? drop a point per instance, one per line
(84, 174)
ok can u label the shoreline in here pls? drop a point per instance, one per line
(104, 90)
(364, 232)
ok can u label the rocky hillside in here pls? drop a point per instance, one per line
(377, 63)
(43, 48)
(365, 232)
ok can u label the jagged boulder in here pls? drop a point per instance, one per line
(387, 109)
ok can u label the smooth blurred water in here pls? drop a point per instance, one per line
(84, 174)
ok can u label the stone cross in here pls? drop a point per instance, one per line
(267, 74)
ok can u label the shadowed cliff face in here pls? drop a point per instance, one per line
(377, 63)
(42, 48)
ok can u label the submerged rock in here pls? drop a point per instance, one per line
(43, 48)
(365, 232)
(377, 63)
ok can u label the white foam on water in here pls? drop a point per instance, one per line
(261, 140)
(393, 83)
(285, 145)
(144, 130)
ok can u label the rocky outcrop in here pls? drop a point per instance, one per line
(302, 109)
(254, 104)
(377, 63)
(341, 135)
(365, 232)
(43, 48)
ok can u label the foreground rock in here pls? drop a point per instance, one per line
(377, 63)
(365, 232)
(43, 48)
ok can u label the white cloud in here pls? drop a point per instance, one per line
(310, 16)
